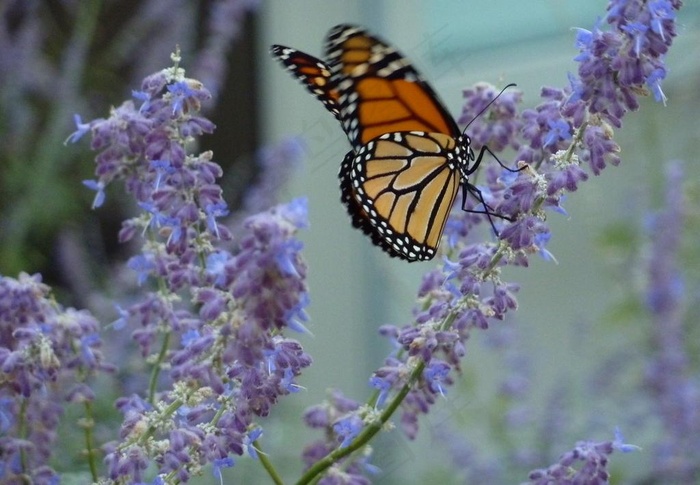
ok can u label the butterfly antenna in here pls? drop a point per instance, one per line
(483, 110)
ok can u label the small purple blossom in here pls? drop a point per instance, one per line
(214, 211)
(181, 96)
(381, 382)
(653, 81)
(336, 410)
(142, 265)
(347, 428)
(559, 130)
(219, 464)
(99, 187)
(435, 373)
(82, 128)
(161, 167)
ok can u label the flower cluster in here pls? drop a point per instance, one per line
(573, 126)
(47, 353)
(217, 318)
(591, 458)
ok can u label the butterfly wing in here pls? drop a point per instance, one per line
(379, 91)
(313, 73)
(399, 189)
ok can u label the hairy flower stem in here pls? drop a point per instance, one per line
(267, 465)
(22, 430)
(88, 425)
(152, 387)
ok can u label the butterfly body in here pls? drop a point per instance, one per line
(408, 155)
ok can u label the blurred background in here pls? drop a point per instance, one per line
(60, 58)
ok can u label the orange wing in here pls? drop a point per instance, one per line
(399, 189)
(379, 91)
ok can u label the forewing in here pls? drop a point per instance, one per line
(313, 73)
(379, 91)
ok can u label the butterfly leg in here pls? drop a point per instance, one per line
(467, 189)
(480, 156)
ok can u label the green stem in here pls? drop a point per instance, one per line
(267, 465)
(169, 411)
(156, 368)
(22, 432)
(496, 258)
(367, 433)
(88, 424)
(579, 136)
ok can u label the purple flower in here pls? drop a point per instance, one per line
(382, 380)
(99, 187)
(217, 317)
(347, 428)
(82, 128)
(213, 212)
(586, 463)
(653, 81)
(219, 464)
(182, 96)
(143, 265)
(161, 167)
(435, 373)
(216, 266)
(559, 130)
(497, 127)
(337, 417)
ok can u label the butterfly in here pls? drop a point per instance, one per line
(408, 157)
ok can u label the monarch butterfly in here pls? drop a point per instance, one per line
(408, 155)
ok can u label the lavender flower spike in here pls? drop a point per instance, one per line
(46, 353)
(586, 463)
(218, 319)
